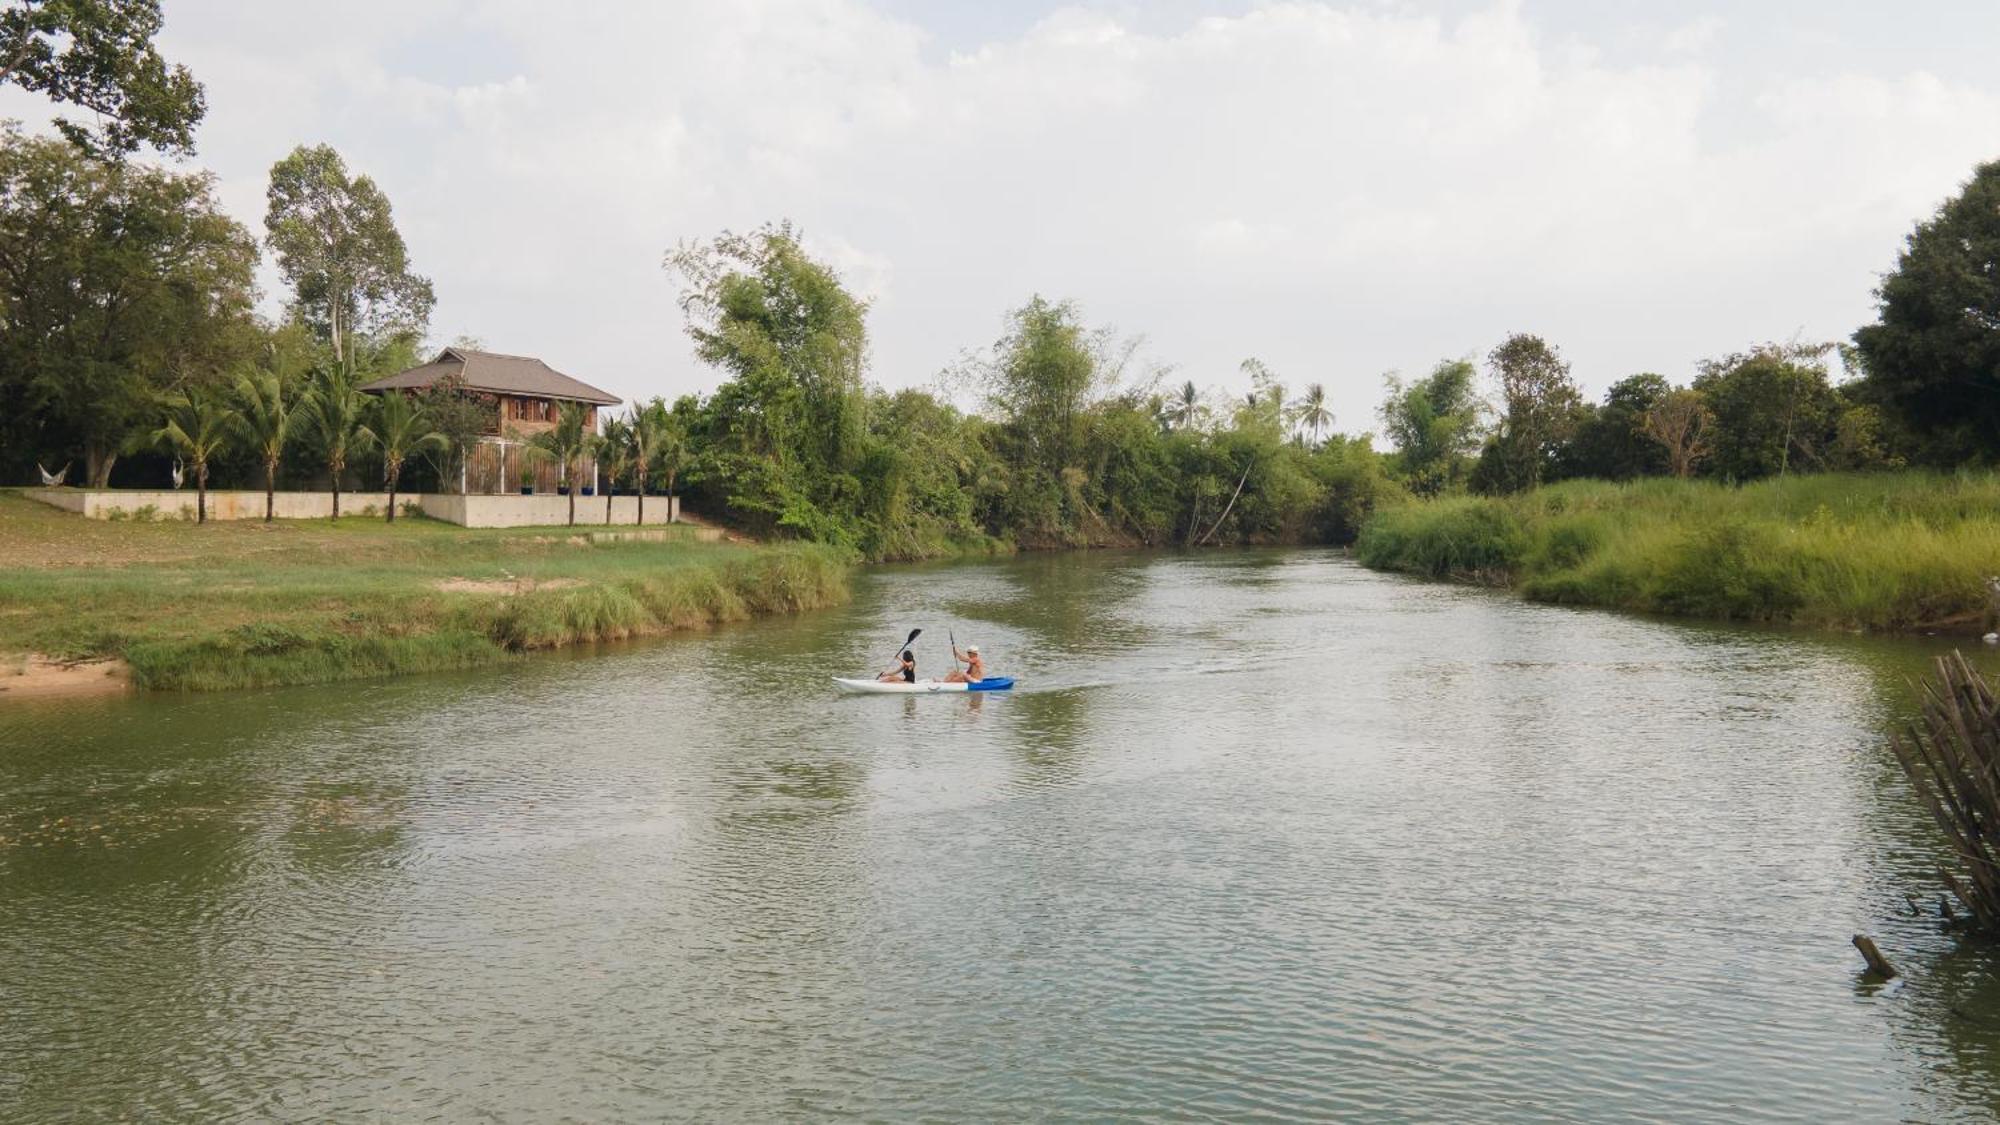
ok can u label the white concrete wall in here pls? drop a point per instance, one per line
(167, 504)
(543, 511)
(466, 511)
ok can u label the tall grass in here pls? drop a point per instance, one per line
(1892, 551)
(209, 608)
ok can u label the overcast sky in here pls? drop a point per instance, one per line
(1340, 189)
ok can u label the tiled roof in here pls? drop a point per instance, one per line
(496, 374)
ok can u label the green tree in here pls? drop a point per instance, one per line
(1311, 413)
(1933, 356)
(1539, 409)
(98, 55)
(614, 453)
(1609, 442)
(115, 281)
(198, 427)
(1774, 409)
(332, 410)
(264, 417)
(1184, 411)
(339, 250)
(649, 428)
(399, 428)
(1435, 424)
(786, 428)
(567, 442)
(463, 416)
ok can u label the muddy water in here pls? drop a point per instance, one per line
(1261, 833)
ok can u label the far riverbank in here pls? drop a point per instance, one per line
(1878, 552)
(176, 606)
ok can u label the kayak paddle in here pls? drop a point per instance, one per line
(907, 642)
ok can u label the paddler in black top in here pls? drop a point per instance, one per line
(905, 670)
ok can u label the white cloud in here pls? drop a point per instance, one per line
(1337, 188)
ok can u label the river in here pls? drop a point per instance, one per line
(1261, 833)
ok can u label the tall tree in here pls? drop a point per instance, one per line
(98, 55)
(1042, 378)
(339, 250)
(1679, 422)
(613, 449)
(1933, 356)
(198, 427)
(117, 282)
(1184, 410)
(794, 343)
(1539, 403)
(1609, 443)
(399, 428)
(1774, 409)
(1435, 423)
(332, 411)
(1311, 413)
(263, 414)
(567, 442)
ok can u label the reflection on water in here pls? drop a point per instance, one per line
(1262, 833)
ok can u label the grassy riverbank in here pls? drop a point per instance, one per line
(231, 605)
(1889, 551)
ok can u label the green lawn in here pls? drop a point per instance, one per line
(243, 604)
(1883, 551)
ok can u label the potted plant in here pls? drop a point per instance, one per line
(527, 477)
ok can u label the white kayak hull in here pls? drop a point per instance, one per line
(921, 687)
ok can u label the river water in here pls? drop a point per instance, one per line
(1261, 833)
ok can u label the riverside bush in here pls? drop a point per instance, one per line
(1884, 551)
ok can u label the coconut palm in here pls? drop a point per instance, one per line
(1184, 409)
(647, 429)
(613, 450)
(264, 418)
(198, 427)
(567, 443)
(674, 457)
(331, 410)
(400, 430)
(1311, 414)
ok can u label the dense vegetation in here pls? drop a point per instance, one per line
(1070, 446)
(1877, 551)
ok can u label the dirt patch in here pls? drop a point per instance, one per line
(38, 677)
(504, 586)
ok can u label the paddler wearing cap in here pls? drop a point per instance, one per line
(975, 668)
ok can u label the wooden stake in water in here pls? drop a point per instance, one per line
(1952, 757)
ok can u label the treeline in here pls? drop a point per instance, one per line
(1074, 442)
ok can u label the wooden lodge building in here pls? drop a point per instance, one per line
(527, 394)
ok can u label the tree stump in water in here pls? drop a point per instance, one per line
(1877, 964)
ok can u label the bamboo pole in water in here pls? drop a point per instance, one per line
(1952, 756)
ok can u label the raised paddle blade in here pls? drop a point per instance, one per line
(912, 638)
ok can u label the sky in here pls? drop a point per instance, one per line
(1341, 189)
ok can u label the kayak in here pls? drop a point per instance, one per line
(898, 687)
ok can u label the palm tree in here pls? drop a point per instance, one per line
(197, 427)
(649, 428)
(673, 457)
(265, 420)
(400, 430)
(567, 443)
(1311, 413)
(1184, 409)
(613, 450)
(332, 408)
